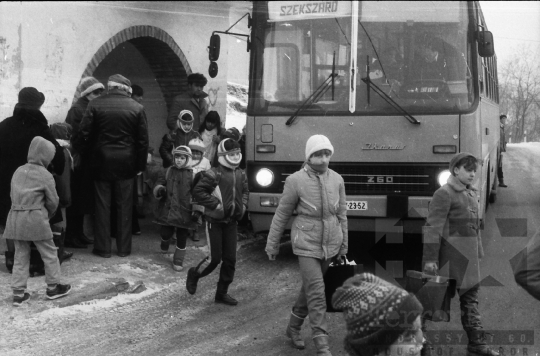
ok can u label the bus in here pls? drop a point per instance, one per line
(398, 87)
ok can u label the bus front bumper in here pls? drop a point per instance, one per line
(379, 216)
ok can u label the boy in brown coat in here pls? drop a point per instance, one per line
(452, 243)
(34, 202)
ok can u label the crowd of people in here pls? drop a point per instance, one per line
(51, 178)
(55, 179)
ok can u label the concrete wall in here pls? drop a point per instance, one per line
(48, 45)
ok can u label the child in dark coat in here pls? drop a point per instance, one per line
(34, 202)
(452, 244)
(173, 189)
(179, 137)
(223, 192)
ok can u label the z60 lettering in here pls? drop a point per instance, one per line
(375, 179)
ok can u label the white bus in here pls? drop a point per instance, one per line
(398, 87)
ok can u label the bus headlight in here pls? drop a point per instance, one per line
(442, 178)
(264, 177)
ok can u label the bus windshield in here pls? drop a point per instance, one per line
(417, 53)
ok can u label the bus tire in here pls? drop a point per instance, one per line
(487, 199)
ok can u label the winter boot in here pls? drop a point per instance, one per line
(477, 344)
(321, 344)
(225, 299)
(178, 259)
(10, 260)
(293, 331)
(164, 246)
(193, 277)
(501, 183)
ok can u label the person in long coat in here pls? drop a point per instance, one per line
(453, 247)
(82, 184)
(34, 202)
(114, 133)
(319, 234)
(194, 100)
(16, 134)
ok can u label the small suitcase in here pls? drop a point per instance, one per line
(334, 278)
(433, 292)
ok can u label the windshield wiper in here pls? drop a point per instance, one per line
(390, 101)
(313, 98)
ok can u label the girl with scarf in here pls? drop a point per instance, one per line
(319, 233)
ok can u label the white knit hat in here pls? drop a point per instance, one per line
(316, 143)
(88, 85)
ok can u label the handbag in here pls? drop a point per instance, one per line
(433, 292)
(334, 278)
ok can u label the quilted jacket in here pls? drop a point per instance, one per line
(320, 229)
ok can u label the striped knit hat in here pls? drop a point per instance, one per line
(88, 85)
(223, 153)
(120, 82)
(376, 312)
(182, 151)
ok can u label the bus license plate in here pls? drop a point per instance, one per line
(357, 205)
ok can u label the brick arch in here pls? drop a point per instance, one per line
(153, 43)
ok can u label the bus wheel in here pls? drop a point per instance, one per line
(489, 192)
(493, 191)
(492, 197)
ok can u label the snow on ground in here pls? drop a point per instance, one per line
(533, 146)
(236, 106)
(98, 304)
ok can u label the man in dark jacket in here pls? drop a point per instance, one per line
(16, 134)
(193, 100)
(115, 134)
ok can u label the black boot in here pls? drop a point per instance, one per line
(224, 298)
(501, 183)
(192, 280)
(477, 344)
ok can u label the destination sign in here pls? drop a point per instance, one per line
(304, 10)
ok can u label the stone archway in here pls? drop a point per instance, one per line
(164, 56)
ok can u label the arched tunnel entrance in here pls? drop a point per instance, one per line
(150, 58)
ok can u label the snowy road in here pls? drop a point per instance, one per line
(166, 320)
